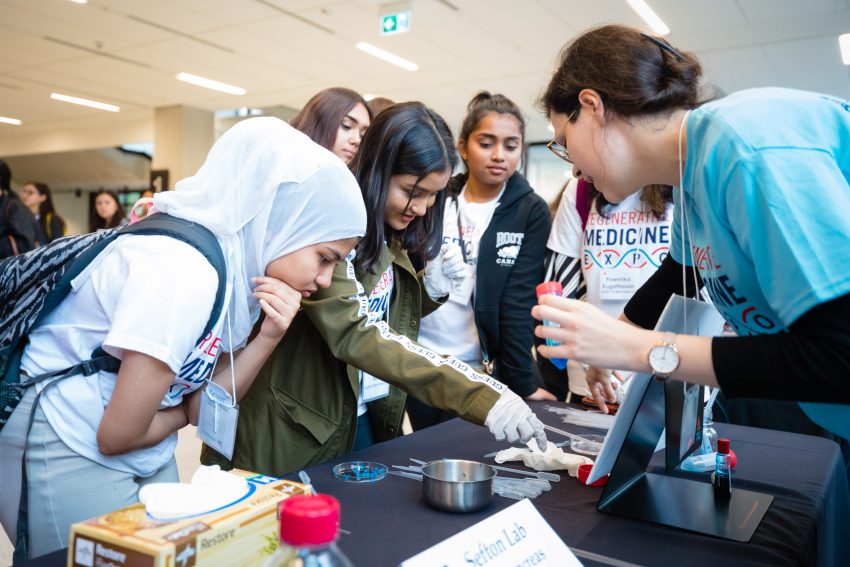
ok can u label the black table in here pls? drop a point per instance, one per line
(807, 524)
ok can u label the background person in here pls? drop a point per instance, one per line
(18, 229)
(336, 119)
(501, 226)
(602, 253)
(36, 196)
(108, 211)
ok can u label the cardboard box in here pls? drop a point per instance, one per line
(244, 533)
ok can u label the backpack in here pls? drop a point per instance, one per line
(32, 285)
(583, 203)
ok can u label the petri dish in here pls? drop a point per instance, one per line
(360, 471)
(591, 445)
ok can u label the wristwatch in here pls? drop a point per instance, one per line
(664, 357)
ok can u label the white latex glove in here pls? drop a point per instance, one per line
(511, 419)
(446, 272)
(553, 459)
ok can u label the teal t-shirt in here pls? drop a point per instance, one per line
(767, 205)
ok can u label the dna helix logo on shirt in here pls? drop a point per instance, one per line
(629, 239)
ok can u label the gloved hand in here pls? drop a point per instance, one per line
(511, 418)
(446, 272)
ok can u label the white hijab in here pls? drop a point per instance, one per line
(266, 190)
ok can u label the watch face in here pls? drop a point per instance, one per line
(663, 359)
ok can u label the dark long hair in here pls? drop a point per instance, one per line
(45, 208)
(405, 139)
(97, 222)
(634, 73)
(321, 116)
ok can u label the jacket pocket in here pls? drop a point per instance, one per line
(320, 426)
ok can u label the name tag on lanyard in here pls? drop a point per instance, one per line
(217, 419)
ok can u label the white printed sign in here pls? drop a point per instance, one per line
(518, 535)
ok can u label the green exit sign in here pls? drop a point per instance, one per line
(395, 23)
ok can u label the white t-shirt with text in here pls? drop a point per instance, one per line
(451, 329)
(148, 294)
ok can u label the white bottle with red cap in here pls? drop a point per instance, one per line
(309, 525)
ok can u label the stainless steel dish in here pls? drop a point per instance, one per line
(456, 485)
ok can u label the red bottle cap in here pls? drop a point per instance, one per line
(308, 519)
(723, 446)
(547, 288)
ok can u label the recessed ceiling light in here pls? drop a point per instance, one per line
(387, 56)
(79, 1)
(649, 16)
(844, 43)
(369, 96)
(210, 84)
(85, 102)
(7, 120)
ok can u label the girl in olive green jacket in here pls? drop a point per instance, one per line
(339, 378)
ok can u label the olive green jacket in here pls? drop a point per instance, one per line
(302, 407)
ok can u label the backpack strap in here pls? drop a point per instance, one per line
(194, 234)
(201, 239)
(583, 201)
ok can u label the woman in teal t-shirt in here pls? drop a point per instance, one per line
(764, 192)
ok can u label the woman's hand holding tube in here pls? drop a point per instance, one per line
(588, 335)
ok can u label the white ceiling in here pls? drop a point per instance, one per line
(127, 52)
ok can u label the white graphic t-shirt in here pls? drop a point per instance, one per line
(149, 294)
(372, 388)
(451, 330)
(619, 251)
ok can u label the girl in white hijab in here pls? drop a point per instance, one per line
(284, 211)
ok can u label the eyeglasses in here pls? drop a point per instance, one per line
(559, 150)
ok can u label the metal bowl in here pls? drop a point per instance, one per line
(455, 485)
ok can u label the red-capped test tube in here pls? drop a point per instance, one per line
(552, 288)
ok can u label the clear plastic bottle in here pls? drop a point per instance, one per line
(309, 525)
(552, 288)
(709, 434)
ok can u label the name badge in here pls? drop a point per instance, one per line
(217, 419)
(371, 388)
(618, 284)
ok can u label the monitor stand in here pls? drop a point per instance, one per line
(672, 501)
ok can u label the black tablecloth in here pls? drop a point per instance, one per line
(808, 522)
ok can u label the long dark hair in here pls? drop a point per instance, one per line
(97, 222)
(405, 139)
(45, 208)
(634, 73)
(321, 116)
